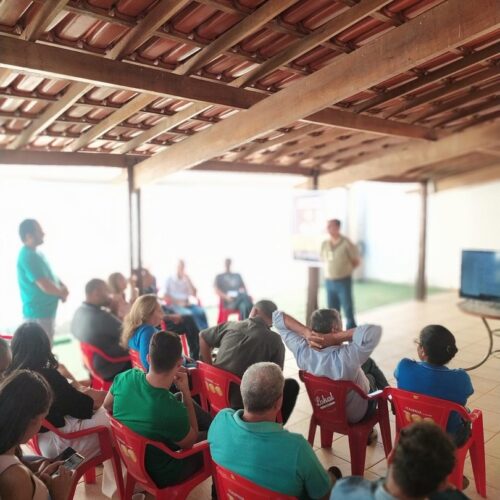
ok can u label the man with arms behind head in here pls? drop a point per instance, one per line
(251, 444)
(422, 461)
(341, 258)
(144, 403)
(40, 289)
(243, 343)
(335, 359)
(94, 325)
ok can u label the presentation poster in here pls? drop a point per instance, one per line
(311, 211)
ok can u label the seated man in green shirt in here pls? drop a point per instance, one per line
(251, 444)
(144, 403)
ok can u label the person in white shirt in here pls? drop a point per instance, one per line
(326, 351)
(178, 290)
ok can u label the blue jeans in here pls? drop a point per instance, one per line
(339, 294)
(197, 312)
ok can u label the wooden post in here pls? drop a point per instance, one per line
(421, 285)
(313, 275)
(134, 219)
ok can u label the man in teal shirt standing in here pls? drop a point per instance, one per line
(40, 289)
(252, 444)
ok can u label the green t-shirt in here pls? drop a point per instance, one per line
(155, 414)
(31, 266)
(267, 455)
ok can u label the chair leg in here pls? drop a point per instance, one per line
(326, 437)
(357, 448)
(117, 469)
(385, 427)
(129, 487)
(312, 431)
(478, 462)
(89, 476)
(457, 475)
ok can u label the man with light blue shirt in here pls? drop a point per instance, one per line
(40, 289)
(325, 350)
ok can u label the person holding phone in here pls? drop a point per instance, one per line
(74, 407)
(25, 399)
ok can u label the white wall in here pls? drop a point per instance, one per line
(459, 219)
(462, 218)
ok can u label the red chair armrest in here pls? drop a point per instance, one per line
(121, 359)
(76, 434)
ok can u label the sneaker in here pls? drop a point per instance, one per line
(465, 483)
(372, 437)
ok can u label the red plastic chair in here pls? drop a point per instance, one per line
(224, 313)
(87, 468)
(6, 336)
(183, 337)
(231, 486)
(135, 358)
(132, 450)
(96, 381)
(215, 385)
(411, 407)
(328, 400)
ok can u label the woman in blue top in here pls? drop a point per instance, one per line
(436, 347)
(141, 323)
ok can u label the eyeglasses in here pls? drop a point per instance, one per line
(417, 342)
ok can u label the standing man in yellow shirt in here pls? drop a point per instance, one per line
(341, 257)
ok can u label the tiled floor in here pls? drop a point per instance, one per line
(402, 323)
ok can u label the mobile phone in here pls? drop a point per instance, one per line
(71, 463)
(64, 455)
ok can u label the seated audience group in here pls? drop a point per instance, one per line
(248, 438)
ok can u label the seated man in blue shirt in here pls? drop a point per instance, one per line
(341, 355)
(422, 461)
(252, 444)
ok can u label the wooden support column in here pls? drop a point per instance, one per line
(313, 274)
(421, 285)
(134, 219)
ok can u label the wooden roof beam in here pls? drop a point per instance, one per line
(318, 36)
(55, 62)
(248, 25)
(432, 33)
(414, 155)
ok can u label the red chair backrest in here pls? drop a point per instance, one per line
(135, 357)
(328, 398)
(411, 407)
(215, 385)
(132, 449)
(231, 486)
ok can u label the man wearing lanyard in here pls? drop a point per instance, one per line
(341, 257)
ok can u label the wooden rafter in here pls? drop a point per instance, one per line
(121, 114)
(434, 32)
(248, 25)
(72, 94)
(373, 124)
(430, 77)
(55, 62)
(45, 15)
(301, 46)
(448, 88)
(413, 155)
(156, 17)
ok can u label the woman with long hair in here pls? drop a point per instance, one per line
(73, 408)
(25, 399)
(140, 324)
